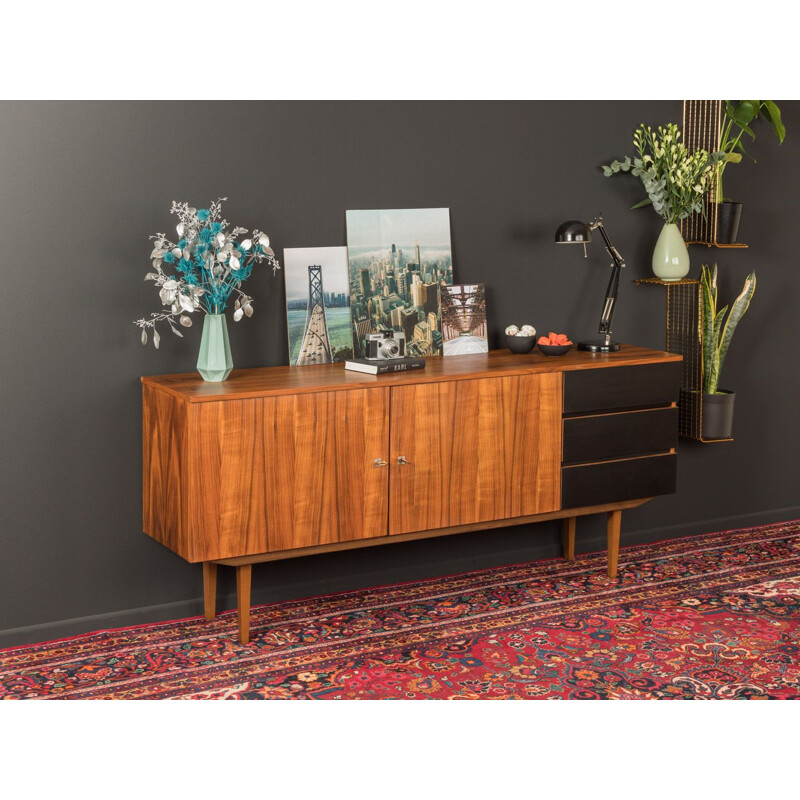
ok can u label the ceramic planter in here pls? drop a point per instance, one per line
(718, 415)
(728, 216)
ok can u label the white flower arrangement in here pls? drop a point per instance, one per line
(674, 178)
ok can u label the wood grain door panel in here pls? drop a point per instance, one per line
(326, 483)
(478, 450)
(290, 471)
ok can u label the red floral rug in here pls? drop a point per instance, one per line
(715, 616)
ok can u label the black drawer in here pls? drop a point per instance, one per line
(614, 481)
(612, 388)
(620, 435)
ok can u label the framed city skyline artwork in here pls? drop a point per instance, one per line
(317, 305)
(398, 260)
(464, 327)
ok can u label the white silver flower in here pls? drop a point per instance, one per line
(247, 244)
(188, 302)
(234, 263)
(169, 292)
(263, 239)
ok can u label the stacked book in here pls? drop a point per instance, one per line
(384, 366)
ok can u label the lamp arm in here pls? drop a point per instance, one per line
(604, 329)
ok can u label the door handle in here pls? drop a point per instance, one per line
(379, 462)
(403, 460)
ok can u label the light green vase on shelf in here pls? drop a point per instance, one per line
(671, 256)
(214, 362)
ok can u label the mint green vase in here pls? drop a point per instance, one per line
(671, 256)
(214, 362)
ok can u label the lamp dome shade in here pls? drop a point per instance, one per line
(573, 232)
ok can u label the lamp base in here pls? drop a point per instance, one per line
(598, 346)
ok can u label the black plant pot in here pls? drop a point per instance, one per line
(718, 415)
(728, 217)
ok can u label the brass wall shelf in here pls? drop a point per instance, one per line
(739, 245)
(683, 336)
(702, 125)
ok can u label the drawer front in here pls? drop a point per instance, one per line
(613, 388)
(615, 481)
(635, 433)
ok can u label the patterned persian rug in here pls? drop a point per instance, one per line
(715, 616)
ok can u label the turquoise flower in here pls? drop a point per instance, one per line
(182, 243)
(169, 257)
(216, 227)
(205, 236)
(203, 214)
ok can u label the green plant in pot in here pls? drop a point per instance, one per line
(675, 180)
(738, 117)
(717, 332)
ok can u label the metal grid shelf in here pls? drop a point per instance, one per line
(683, 329)
(702, 125)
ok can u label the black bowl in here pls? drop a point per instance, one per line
(555, 349)
(520, 344)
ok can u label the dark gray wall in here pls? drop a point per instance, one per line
(84, 184)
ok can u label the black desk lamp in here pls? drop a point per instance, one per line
(575, 232)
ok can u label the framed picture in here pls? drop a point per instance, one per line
(464, 319)
(398, 260)
(317, 305)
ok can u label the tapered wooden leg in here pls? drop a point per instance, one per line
(210, 589)
(568, 538)
(613, 525)
(243, 575)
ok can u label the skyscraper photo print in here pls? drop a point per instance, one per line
(398, 260)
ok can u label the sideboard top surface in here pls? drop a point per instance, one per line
(265, 381)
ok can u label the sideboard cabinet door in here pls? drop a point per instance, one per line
(291, 471)
(474, 451)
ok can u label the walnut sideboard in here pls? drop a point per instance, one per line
(290, 461)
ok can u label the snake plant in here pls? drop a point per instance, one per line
(718, 331)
